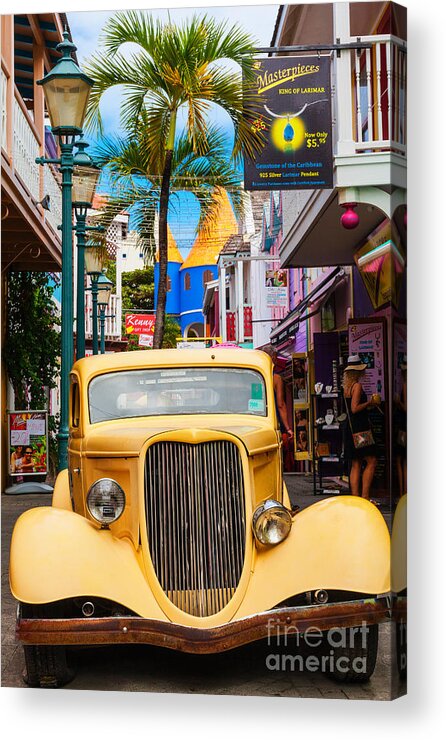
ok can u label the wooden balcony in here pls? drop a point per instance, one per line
(30, 238)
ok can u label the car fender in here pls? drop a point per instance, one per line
(399, 547)
(57, 554)
(336, 544)
(61, 493)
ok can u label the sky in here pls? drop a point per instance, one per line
(86, 28)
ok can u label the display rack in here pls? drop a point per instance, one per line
(331, 464)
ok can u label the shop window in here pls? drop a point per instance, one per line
(75, 405)
(187, 282)
(207, 277)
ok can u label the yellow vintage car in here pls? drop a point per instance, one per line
(173, 527)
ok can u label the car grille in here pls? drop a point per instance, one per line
(195, 514)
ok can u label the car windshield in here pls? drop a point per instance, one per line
(200, 390)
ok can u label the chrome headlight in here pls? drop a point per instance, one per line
(271, 522)
(105, 501)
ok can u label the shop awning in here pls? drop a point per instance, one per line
(289, 326)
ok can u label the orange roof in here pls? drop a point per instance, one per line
(173, 253)
(207, 246)
(99, 202)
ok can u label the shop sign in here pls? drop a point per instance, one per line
(140, 323)
(366, 339)
(276, 289)
(294, 114)
(381, 264)
(27, 442)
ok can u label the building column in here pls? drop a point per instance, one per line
(343, 80)
(240, 302)
(222, 302)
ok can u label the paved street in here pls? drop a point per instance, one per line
(136, 668)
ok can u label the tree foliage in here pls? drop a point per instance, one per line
(32, 344)
(175, 67)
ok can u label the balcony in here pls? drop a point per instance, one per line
(30, 236)
(369, 135)
(113, 322)
(232, 333)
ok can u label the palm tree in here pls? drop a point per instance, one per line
(175, 67)
(136, 189)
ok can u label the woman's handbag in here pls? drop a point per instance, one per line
(360, 439)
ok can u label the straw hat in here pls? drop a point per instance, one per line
(354, 362)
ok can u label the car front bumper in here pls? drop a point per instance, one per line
(137, 630)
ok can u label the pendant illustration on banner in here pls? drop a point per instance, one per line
(318, 388)
(288, 130)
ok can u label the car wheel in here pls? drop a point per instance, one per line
(353, 660)
(47, 666)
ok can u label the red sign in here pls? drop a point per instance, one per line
(139, 323)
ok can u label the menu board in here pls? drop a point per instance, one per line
(28, 443)
(367, 339)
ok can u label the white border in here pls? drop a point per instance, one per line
(47, 714)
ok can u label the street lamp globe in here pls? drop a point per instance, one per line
(85, 177)
(104, 290)
(93, 259)
(85, 180)
(66, 91)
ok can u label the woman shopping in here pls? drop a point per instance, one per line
(359, 445)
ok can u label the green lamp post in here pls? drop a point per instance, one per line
(104, 292)
(85, 180)
(66, 91)
(93, 265)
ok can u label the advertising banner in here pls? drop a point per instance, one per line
(276, 289)
(366, 339)
(28, 442)
(295, 100)
(140, 323)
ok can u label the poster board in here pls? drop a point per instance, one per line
(301, 406)
(366, 338)
(27, 430)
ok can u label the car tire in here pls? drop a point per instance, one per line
(47, 666)
(358, 662)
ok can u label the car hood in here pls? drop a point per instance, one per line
(123, 439)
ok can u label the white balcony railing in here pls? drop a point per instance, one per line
(26, 149)
(52, 188)
(3, 87)
(380, 95)
(112, 323)
(371, 96)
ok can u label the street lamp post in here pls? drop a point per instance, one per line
(104, 291)
(66, 91)
(85, 179)
(93, 264)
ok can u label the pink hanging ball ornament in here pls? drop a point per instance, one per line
(349, 218)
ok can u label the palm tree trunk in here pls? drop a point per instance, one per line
(162, 238)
